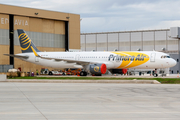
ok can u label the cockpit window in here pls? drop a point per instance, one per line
(165, 56)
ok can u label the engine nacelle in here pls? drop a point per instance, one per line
(118, 71)
(97, 69)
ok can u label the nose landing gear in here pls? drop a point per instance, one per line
(155, 73)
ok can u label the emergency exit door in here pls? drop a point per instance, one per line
(77, 57)
(153, 55)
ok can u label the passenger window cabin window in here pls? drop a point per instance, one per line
(177, 60)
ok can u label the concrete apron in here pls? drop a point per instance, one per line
(3, 77)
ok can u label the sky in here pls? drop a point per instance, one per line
(113, 15)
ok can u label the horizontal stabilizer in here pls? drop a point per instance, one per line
(18, 56)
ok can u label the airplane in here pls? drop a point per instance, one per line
(95, 63)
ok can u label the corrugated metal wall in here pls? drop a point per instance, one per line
(43, 39)
(4, 37)
(146, 40)
(5, 68)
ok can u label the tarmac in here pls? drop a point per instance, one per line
(88, 101)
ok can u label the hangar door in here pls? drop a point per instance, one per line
(45, 33)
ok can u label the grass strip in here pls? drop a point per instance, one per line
(161, 80)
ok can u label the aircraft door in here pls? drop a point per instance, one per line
(77, 57)
(36, 59)
(153, 55)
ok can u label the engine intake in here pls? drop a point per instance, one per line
(98, 69)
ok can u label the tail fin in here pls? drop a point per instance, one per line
(26, 44)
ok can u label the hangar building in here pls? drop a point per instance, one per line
(49, 30)
(142, 40)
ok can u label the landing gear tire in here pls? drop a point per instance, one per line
(50, 73)
(155, 75)
(83, 73)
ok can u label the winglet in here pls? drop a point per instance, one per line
(35, 53)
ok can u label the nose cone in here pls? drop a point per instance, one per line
(173, 63)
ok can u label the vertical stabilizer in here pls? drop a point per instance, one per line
(26, 44)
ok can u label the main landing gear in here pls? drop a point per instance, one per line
(83, 73)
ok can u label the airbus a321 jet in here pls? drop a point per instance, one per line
(92, 62)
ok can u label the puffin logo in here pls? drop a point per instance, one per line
(25, 41)
(96, 69)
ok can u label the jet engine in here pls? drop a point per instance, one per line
(97, 69)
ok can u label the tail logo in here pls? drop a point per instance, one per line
(25, 41)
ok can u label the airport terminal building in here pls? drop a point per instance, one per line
(142, 40)
(49, 30)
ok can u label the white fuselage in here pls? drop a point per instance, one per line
(113, 60)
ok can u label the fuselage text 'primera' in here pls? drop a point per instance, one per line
(139, 57)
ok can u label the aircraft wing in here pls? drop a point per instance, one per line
(68, 60)
(59, 59)
(18, 56)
